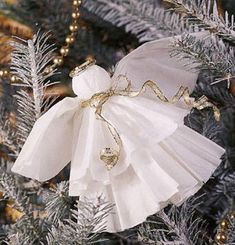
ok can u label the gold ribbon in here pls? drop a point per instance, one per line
(111, 156)
(108, 155)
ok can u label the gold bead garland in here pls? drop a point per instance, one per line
(58, 60)
(73, 27)
(64, 50)
(77, 2)
(70, 39)
(224, 226)
(221, 237)
(4, 73)
(75, 15)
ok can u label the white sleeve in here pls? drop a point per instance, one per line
(48, 148)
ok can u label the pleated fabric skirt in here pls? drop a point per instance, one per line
(162, 160)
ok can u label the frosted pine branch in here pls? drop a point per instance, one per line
(206, 54)
(29, 63)
(142, 18)
(7, 135)
(8, 185)
(227, 187)
(204, 14)
(58, 202)
(178, 226)
(88, 221)
(18, 239)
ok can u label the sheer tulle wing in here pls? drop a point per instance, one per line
(48, 148)
(152, 61)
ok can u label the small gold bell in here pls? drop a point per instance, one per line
(109, 157)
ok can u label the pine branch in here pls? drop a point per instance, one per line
(9, 186)
(87, 223)
(204, 14)
(226, 186)
(58, 203)
(7, 134)
(18, 239)
(28, 226)
(179, 225)
(6, 96)
(209, 54)
(29, 63)
(142, 18)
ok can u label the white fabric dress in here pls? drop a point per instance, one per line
(162, 161)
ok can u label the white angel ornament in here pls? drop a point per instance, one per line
(126, 142)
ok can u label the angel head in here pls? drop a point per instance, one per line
(89, 79)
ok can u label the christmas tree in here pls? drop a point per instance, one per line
(41, 42)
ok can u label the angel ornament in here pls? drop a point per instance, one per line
(125, 136)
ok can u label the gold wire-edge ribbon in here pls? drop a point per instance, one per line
(111, 156)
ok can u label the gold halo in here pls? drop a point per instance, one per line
(78, 69)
